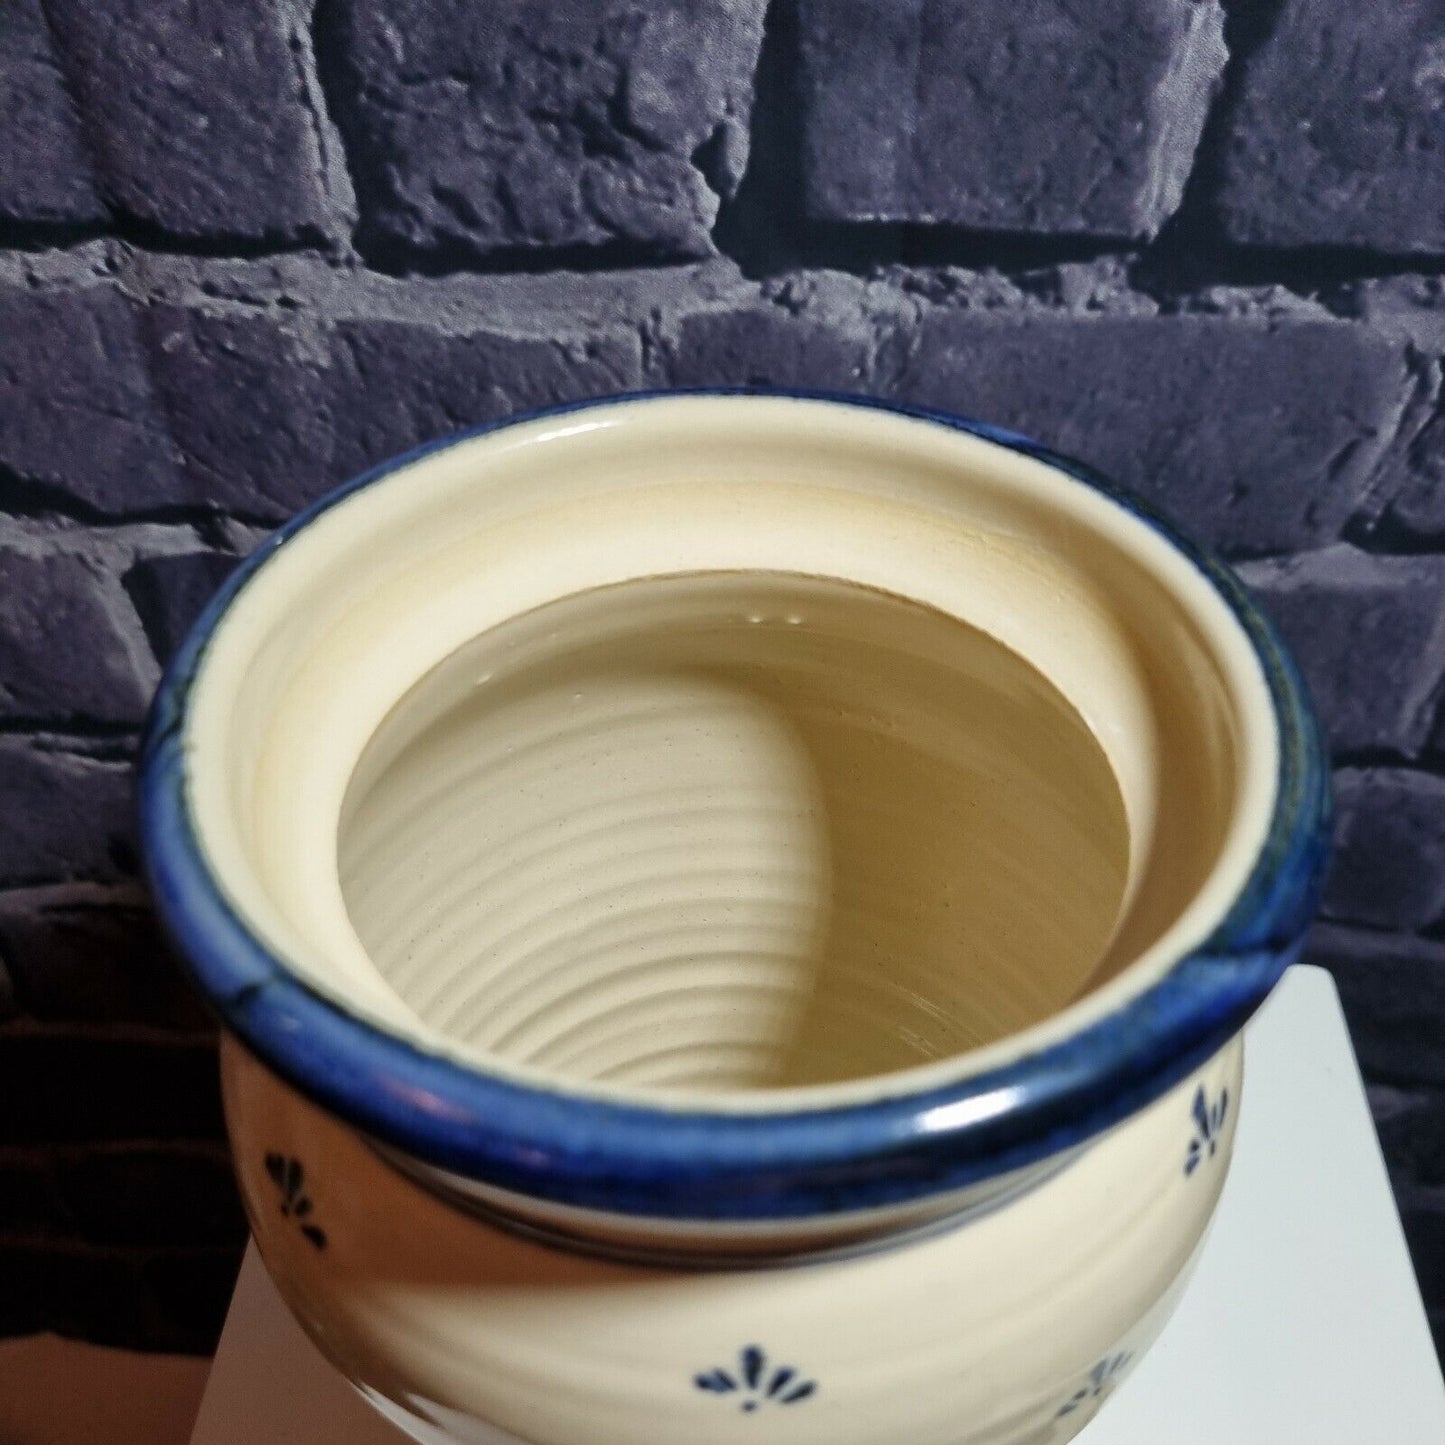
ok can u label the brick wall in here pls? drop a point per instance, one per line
(247, 248)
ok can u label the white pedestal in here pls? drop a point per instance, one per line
(1302, 1323)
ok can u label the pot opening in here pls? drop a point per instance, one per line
(492, 754)
(733, 831)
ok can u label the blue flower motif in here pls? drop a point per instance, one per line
(289, 1177)
(1102, 1378)
(752, 1383)
(1208, 1126)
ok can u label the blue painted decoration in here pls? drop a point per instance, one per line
(753, 1383)
(290, 1178)
(1102, 1378)
(1208, 1126)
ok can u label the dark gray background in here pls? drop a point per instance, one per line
(249, 246)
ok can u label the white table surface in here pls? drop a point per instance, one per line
(1302, 1324)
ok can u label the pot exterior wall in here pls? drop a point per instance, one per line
(1009, 1329)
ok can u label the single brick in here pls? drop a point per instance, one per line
(249, 400)
(9, 1002)
(1369, 634)
(1335, 135)
(76, 409)
(29, 1200)
(66, 815)
(512, 125)
(64, 653)
(170, 593)
(1256, 436)
(172, 1300)
(1416, 509)
(1389, 865)
(397, 383)
(46, 177)
(145, 1195)
(807, 331)
(1422, 1212)
(90, 959)
(1412, 1135)
(200, 114)
(985, 113)
(71, 1290)
(276, 407)
(60, 1088)
(1392, 987)
(187, 1294)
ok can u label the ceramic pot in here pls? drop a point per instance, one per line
(733, 916)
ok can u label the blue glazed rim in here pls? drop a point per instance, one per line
(700, 1165)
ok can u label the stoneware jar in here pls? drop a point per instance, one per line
(733, 916)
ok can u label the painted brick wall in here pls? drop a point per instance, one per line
(248, 248)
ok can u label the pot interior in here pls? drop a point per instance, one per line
(744, 746)
(733, 831)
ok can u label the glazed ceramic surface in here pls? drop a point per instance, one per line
(1013, 1325)
(734, 914)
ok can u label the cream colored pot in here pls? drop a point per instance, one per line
(733, 916)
